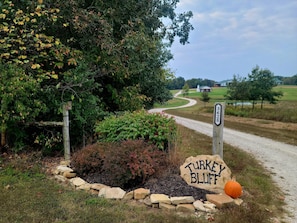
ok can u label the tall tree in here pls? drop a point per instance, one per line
(125, 45)
(239, 90)
(185, 90)
(205, 97)
(262, 81)
(109, 54)
(18, 98)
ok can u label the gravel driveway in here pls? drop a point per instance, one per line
(278, 158)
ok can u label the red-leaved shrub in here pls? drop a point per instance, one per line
(132, 162)
(89, 159)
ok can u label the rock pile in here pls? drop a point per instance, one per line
(187, 204)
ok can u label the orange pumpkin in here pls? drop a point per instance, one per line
(233, 189)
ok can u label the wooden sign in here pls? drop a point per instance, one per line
(218, 125)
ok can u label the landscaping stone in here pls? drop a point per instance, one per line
(85, 187)
(238, 201)
(77, 181)
(167, 207)
(69, 174)
(160, 198)
(147, 201)
(141, 193)
(156, 205)
(60, 178)
(94, 192)
(129, 195)
(210, 207)
(65, 163)
(98, 186)
(61, 169)
(199, 205)
(220, 200)
(182, 200)
(55, 171)
(112, 193)
(182, 204)
(188, 208)
(206, 172)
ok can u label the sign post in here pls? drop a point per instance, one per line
(218, 125)
(66, 138)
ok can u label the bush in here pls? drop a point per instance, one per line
(155, 128)
(89, 159)
(133, 162)
(124, 164)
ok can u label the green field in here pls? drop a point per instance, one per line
(284, 110)
(175, 102)
(217, 94)
(289, 91)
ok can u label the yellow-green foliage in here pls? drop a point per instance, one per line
(155, 128)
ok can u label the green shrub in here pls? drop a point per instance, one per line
(132, 162)
(89, 159)
(155, 128)
(50, 142)
(237, 111)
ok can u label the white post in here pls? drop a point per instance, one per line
(218, 126)
(66, 137)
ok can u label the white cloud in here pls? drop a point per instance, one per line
(249, 32)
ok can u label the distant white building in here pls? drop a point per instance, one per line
(203, 89)
(224, 83)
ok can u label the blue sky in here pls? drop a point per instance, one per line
(231, 37)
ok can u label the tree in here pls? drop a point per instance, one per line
(262, 82)
(19, 101)
(290, 80)
(258, 86)
(126, 45)
(205, 97)
(238, 89)
(24, 42)
(120, 66)
(176, 83)
(45, 63)
(186, 89)
(202, 82)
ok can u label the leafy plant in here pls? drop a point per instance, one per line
(19, 102)
(89, 159)
(205, 97)
(49, 141)
(131, 162)
(154, 128)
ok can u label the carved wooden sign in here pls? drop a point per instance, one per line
(206, 172)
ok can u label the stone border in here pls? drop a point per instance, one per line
(186, 204)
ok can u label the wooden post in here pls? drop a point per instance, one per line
(66, 137)
(218, 126)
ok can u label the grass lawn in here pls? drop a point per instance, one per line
(28, 195)
(218, 93)
(175, 102)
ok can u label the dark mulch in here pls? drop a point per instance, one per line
(168, 183)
